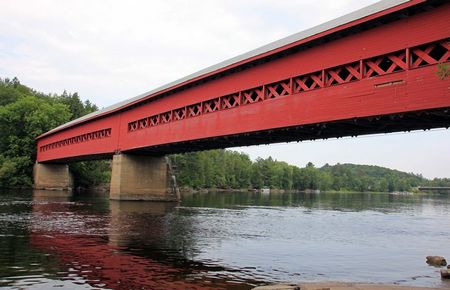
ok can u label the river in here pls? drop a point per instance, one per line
(219, 240)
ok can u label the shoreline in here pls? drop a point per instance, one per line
(340, 286)
(104, 187)
(190, 190)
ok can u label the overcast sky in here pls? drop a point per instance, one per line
(109, 51)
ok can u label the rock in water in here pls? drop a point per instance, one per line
(445, 273)
(436, 261)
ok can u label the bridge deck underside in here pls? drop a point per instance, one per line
(400, 122)
(419, 120)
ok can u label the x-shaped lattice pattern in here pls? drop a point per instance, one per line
(194, 110)
(308, 82)
(232, 101)
(100, 134)
(430, 53)
(166, 117)
(179, 114)
(133, 126)
(427, 54)
(386, 64)
(343, 74)
(279, 89)
(252, 96)
(143, 123)
(211, 105)
(154, 120)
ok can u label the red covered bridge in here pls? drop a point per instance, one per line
(381, 69)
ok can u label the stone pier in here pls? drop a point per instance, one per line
(52, 176)
(136, 177)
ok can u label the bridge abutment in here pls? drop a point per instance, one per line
(136, 177)
(52, 176)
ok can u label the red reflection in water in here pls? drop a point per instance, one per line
(101, 263)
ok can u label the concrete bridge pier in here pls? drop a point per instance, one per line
(52, 177)
(137, 177)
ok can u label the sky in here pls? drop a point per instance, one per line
(109, 51)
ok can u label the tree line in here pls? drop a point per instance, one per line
(230, 169)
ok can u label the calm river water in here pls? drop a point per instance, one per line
(219, 240)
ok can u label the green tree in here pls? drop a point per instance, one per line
(24, 115)
(20, 123)
(76, 106)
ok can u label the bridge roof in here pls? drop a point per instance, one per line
(347, 21)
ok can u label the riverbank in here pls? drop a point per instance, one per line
(104, 187)
(339, 286)
(190, 190)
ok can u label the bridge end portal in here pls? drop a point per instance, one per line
(137, 177)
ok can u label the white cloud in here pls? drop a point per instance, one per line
(112, 50)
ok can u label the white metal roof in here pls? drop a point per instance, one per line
(358, 14)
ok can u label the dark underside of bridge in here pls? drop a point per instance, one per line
(400, 122)
(404, 122)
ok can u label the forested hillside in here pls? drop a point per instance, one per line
(229, 169)
(24, 115)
